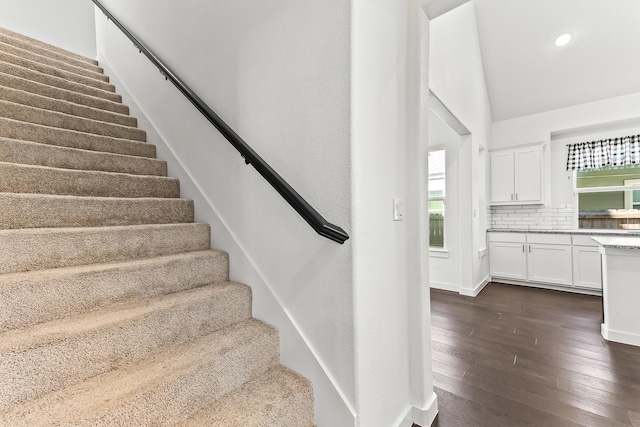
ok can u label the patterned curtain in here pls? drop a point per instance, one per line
(606, 152)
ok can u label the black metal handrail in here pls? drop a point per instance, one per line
(306, 211)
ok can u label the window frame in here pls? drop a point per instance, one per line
(439, 251)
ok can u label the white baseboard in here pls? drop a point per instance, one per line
(584, 291)
(618, 336)
(445, 286)
(425, 417)
(422, 417)
(477, 289)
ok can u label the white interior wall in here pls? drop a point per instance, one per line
(389, 155)
(68, 24)
(586, 122)
(457, 78)
(281, 80)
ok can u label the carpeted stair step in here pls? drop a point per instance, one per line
(32, 153)
(164, 389)
(94, 73)
(48, 70)
(51, 104)
(15, 178)
(50, 211)
(53, 355)
(44, 90)
(16, 129)
(50, 52)
(24, 113)
(277, 398)
(40, 296)
(46, 248)
(59, 82)
(47, 46)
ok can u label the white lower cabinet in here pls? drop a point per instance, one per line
(549, 264)
(587, 267)
(545, 259)
(508, 260)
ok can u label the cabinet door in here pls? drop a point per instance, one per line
(549, 264)
(502, 190)
(508, 260)
(528, 174)
(587, 267)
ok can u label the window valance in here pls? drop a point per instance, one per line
(606, 152)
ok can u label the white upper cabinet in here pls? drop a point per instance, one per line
(516, 176)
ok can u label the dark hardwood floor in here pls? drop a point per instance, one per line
(519, 356)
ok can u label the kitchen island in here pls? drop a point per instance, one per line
(620, 288)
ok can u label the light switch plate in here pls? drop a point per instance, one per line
(398, 209)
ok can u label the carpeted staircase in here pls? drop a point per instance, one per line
(114, 310)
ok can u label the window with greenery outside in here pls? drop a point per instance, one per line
(436, 198)
(603, 201)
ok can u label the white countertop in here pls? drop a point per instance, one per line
(618, 242)
(581, 231)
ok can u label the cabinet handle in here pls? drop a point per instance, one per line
(522, 248)
(516, 196)
(511, 196)
(529, 248)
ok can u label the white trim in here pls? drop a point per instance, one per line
(406, 420)
(608, 189)
(619, 336)
(483, 252)
(526, 144)
(422, 417)
(477, 289)
(575, 290)
(438, 108)
(445, 286)
(438, 253)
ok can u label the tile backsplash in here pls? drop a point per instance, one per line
(527, 217)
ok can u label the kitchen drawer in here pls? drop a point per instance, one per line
(508, 237)
(584, 241)
(549, 239)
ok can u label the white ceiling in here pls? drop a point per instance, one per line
(526, 73)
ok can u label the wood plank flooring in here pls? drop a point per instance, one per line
(519, 356)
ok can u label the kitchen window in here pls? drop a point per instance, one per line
(609, 197)
(437, 192)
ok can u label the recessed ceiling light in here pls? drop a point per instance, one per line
(563, 40)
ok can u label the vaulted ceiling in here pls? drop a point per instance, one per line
(526, 73)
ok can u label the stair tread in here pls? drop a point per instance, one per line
(263, 401)
(45, 45)
(56, 81)
(58, 330)
(64, 107)
(31, 297)
(26, 131)
(52, 71)
(52, 62)
(29, 249)
(45, 210)
(153, 390)
(33, 153)
(55, 119)
(51, 52)
(53, 92)
(51, 356)
(34, 179)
